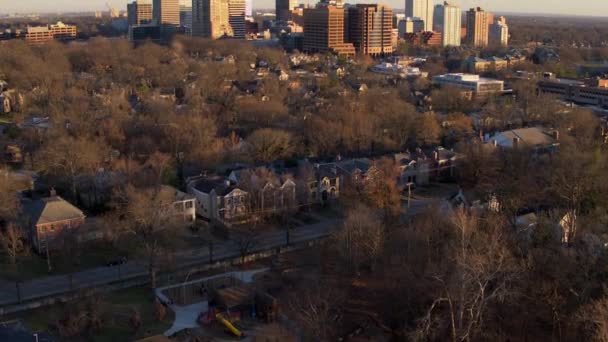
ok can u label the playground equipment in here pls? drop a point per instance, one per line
(229, 325)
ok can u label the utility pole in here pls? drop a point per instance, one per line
(48, 256)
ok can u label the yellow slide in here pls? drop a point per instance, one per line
(229, 325)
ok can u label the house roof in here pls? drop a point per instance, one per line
(177, 194)
(352, 165)
(219, 184)
(51, 209)
(532, 136)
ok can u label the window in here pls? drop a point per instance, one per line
(52, 228)
(189, 205)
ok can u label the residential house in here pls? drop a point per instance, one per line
(217, 199)
(268, 191)
(322, 181)
(443, 162)
(539, 139)
(414, 167)
(184, 204)
(48, 218)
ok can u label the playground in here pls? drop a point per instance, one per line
(227, 306)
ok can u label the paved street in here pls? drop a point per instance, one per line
(53, 285)
(58, 284)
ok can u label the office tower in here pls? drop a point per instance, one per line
(324, 30)
(438, 18)
(369, 29)
(477, 27)
(450, 27)
(218, 18)
(397, 17)
(249, 8)
(210, 18)
(284, 8)
(185, 15)
(236, 18)
(139, 12)
(499, 32)
(410, 25)
(422, 9)
(166, 12)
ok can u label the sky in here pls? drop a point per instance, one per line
(578, 7)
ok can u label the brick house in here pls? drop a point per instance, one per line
(47, 218)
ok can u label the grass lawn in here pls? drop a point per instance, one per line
(118, 311)
(35, 265)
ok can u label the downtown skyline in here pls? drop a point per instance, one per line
(561, 7)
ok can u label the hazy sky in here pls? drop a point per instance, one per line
(578, 7)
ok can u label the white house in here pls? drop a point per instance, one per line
(217, 199)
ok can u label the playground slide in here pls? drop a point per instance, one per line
(229, 325)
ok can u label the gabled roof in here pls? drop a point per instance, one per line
(51, 209)
(352, 165)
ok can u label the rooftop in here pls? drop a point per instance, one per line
(51, 209)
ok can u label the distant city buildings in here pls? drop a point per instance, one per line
(369, 29)
(219, 18)
(499, 32)
(410, 25)
(166, 12)
(139, 12)
(478, 24)
(468, 82)
(448, 21)
(36, 35)
(422, 9)
(283, 9)
(324, 31)
(185, 15)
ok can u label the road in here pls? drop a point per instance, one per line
(63, 284)
(59, 284)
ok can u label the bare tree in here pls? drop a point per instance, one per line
(479, 278)
(148, 216)
(361, 240)
(270, 144)
(67, 158)
(12, 241)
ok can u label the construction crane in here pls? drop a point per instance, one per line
(113, 11)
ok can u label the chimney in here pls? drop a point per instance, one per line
(52, 192)
(481, 137)
(515, 142)
(436, 155)
(495, 143)
(556, 135)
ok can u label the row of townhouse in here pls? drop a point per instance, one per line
(245, 192)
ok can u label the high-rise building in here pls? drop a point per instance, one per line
(499, 32)
(324, 30)
(139, 12)
(185, 15)
(478, 24)
(284, 8)
(410, 25)
(448, 22)
(369, 29)
(397, 17)
(236, 18)
(422, 9)
(249, 8)
(166, 12)
(218, 18)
